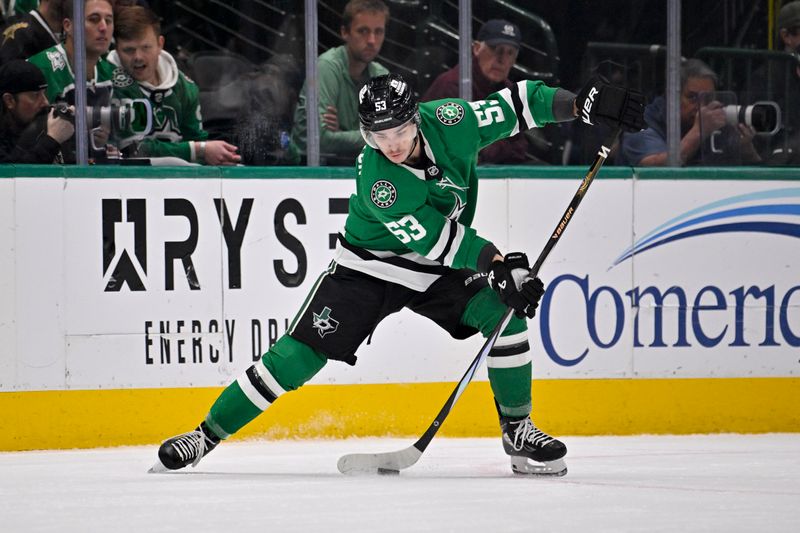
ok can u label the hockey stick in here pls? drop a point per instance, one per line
(393, 462)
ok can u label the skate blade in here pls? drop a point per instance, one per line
(524, 467)
(158, 468)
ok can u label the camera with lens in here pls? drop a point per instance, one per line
(764, 116)
(134, 116)
(63, 110)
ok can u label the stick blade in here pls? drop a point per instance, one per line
(378, 463)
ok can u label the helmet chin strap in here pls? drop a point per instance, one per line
(413, 147)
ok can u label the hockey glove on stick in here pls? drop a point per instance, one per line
(602, 103)
(509, 278)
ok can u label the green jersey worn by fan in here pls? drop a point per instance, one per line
(149, 72)
(409, 242)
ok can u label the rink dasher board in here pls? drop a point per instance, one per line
(723, 303)
(709, 293)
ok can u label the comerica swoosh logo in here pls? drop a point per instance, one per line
(758, 212)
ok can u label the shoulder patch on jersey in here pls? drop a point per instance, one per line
(450, 113)
(11, 31)
(383, 194)
(121, 78)
(57, 60)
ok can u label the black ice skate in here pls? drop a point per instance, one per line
(184, 450)
(524, 442)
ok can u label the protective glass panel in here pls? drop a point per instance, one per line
(244, 62)
(229, 77)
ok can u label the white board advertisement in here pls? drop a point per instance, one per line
(120, 283)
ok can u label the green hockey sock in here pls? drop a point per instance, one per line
(285, 367)
(509, 362)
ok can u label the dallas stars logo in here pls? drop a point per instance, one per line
(323, 322)
(450, 113)
(121, 78)
(383, 194)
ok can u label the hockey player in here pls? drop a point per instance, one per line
(151, 72)
(408, 242)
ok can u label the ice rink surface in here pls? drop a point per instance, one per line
(649, 483)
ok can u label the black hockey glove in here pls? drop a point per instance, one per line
(602, 103)
(510, 279)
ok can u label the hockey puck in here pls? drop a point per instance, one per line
(388, 472)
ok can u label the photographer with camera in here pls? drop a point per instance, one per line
(151, 73)
(700, 121)
(30, 131)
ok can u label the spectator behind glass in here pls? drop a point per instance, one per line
(782, 85)
(789, 27)
(494, 53)
(30, 33)
(341, 72)
(56, 63)
(151, 73)
(699, 117)
(28, 134)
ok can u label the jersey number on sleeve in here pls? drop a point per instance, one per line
(407, 229)
(492, 113)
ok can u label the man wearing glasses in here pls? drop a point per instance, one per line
(701, 117)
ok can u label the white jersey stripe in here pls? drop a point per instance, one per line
(510, 361)
(522, 87)
(511, 340)
(420, 174)
(418, 281)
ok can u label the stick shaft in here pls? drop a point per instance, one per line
(398, 460)
(602, 155)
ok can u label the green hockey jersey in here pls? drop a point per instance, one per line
(57, 71)
(404, 223)
(176, 112)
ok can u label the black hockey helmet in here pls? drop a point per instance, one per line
(386, 102)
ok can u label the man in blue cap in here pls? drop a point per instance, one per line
(494, 53)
